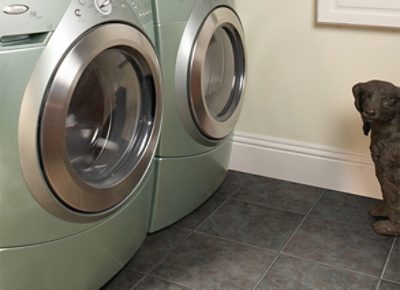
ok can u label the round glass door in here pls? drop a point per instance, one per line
(108, 122)
(101, 119)
(216, 75)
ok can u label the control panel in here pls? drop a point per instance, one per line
(33, 21)
(142, 9)
(29, 21)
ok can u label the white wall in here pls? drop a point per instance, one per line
(300, 76)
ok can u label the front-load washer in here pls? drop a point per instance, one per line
(202, 55)
(80, 117)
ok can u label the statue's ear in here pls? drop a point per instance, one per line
(358, 93)
(366, 128)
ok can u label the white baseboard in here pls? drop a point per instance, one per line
(310, 164)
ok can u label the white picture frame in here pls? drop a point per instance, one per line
(383, 13)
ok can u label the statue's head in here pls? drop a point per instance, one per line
(377, 101)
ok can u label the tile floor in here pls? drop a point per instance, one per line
(262, 233)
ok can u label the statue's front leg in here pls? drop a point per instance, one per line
(392, 206)
(379, 210)
(387, 227)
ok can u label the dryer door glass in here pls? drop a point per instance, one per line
(108, 122)
(216, 75)
(100, 122)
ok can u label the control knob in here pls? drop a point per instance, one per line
(104, 6)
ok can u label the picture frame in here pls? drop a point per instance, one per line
(381, 13)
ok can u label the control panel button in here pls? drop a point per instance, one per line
(104, 6)
(15, 9)
(78, 12)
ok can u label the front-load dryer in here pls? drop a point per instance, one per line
(202, 55)
(80, 117)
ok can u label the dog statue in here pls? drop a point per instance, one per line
(379, 105)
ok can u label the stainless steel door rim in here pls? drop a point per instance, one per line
(214, 76)
(76, 194)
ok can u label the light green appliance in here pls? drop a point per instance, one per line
(202, 54)
(80, 119)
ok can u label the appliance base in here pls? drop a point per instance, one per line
(184, 183)
(85, 260)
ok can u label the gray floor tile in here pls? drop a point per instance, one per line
(157, 284)
(349, 246)
(155, 247)
(264, 212)
(252, 179)
(385, 285)
(279, 194)
(253, 183)
(233, 182)
(392, 271)
(346, 208)
(204, 262)
(292, 273)
(255, 225)
(124, 280)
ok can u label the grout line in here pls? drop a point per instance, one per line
(330, 266)
(162, 260)
(166, 280)
(159, 262)
(138, 282)
(386, 263)
(236, 242)
(213, 212)
(232, 197)
(190, 232)
(268, 207)
(302, 222)
(266, 271)
(176, 224)
(289, 239)
(229, 196)
(391, 281)
(347, 224)
(299, 213)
